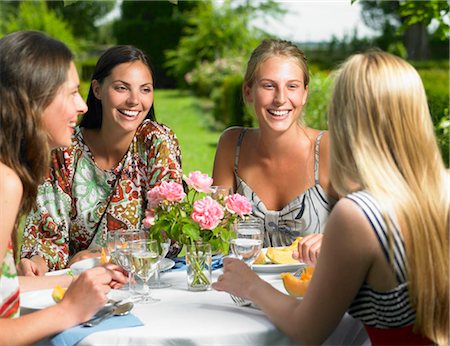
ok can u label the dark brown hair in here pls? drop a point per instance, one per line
(33, 66)
(111, 58)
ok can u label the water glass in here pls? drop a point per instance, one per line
(249, 239)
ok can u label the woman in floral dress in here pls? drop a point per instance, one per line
(40, 103)
(99, 183)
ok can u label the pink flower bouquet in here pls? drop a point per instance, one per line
(191, 215)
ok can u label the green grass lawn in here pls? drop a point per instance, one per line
(192, 122)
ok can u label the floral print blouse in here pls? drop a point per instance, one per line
(9, 286)
(79, 202)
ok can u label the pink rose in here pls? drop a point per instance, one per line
(154, 197)
(149, 220)
(171, 191)
(199, 181)
(238, 204)
(207, 213)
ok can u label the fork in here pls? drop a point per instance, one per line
(299, 271)
(239, 301)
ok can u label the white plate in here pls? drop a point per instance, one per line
(88, 263)
(166, 264)
(275, 268)
(58, 272)
(37, 300)
(41, 299)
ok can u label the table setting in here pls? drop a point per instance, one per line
(170, 301)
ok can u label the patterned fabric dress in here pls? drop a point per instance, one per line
(388, 316)
(305, 214)
(9, 286)
(79, 202)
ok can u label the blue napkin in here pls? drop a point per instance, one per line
(180, 263)
(74, 335)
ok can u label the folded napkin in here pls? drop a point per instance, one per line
(74, 335)
(180, 263)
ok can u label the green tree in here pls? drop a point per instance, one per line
(35, 15)
(218, 31)
(407, 21)
(153, 26)
(82, 15)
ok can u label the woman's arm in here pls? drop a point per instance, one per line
(223, 169)
(348, 250)
(83, 299)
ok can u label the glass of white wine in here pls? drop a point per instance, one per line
(145, 256)
(156, 281)
(249, 239)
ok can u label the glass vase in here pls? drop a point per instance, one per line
(198, 267)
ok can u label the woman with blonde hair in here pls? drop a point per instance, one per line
(384, 255)
(281, 166)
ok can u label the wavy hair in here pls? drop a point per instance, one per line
(111, 58)
(382, 139)
(33, 66)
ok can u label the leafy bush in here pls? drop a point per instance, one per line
(229, 107)
(207, 76)
(319, 93)
(436, 82)
(32, 15)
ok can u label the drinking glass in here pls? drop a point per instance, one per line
(118, 241)
(249, 239)
(220, 192)
(157, 283)
(145, 256)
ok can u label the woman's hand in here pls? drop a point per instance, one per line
(308, 250)
(34, 266)
(237, 278)
(85, 254)
(88, 293)
(119, 276)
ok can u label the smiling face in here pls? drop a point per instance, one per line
(278, 93)
(61, 116)
(126, 96)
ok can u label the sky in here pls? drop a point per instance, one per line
(310, 20)
(317, 20)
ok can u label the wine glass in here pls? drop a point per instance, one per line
(157, 283)
(249, 239)
(121, 252)
(145, 256)
(220, 192)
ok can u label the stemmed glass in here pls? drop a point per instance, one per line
(145, 256)
(249, 239)
(118, 241)
(157, 283)
(220, 192)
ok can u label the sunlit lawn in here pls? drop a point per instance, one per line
(192, 124)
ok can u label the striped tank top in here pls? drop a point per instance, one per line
(389, 309)
(305, 214)
(9, 286)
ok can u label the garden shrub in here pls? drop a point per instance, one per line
(436, 82)
(229, 106)
(319, 93)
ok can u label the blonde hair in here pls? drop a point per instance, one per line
(271, 48)
(382, 139)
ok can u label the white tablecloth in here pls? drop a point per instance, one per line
(209, 318)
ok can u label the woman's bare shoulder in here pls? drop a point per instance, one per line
(10, 183)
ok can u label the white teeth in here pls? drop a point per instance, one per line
(278, 113)
(130, 113)
(73, 124)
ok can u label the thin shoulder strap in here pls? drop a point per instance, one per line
(316, 157)
(238, 149)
